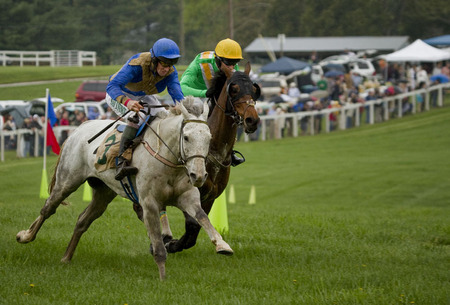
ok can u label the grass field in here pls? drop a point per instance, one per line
(352, 217)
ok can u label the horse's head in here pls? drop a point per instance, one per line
(242, 95)
(194, 139)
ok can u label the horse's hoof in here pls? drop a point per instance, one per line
(20, 237)
(224, 249)
(65, 260)
(167, 239)
(225, 252)
(173, 246)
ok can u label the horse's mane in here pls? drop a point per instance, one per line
(193, 106)
(217, 83)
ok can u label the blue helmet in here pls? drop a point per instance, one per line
(165, 48)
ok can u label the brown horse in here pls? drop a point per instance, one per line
(233, 97)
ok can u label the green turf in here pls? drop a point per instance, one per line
(12, 74)
(353, 217)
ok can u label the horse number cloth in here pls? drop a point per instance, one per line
(109, 150)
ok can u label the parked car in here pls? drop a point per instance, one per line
(91, 91)
(353, 64)
(363, 67)
(93, 110)
(270, 85)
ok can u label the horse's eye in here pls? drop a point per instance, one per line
(186, 138)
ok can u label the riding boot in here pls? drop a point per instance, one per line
(236, 160)
(123, 167)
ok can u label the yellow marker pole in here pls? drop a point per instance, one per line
(44, 185)
(87, 192)
(252, 198)
(218, 214)
(232, 195)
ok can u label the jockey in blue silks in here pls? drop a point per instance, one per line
(142, 76)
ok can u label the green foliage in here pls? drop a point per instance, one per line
(119, 28)
(352, 217)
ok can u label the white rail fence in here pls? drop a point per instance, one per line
(289, 124)
(53, 58)
(391, 108)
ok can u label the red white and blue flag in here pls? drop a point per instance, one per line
(51, 139)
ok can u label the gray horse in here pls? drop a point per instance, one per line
(171, 167)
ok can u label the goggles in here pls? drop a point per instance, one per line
(167, 62)
(229, 62)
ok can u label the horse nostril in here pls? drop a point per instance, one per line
(250, 121)
(193, 176)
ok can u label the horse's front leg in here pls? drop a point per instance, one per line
(166, 232)
(190, 203)
(151, 220)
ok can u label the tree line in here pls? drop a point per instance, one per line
(116, 29)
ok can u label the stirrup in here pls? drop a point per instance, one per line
(235, 160)
(123, 169)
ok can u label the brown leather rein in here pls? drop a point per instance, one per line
(182, 160)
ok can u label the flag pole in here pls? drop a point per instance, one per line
(47, 92)
(43, 194)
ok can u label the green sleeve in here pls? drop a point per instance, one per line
(192, 82)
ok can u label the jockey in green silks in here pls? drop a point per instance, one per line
(142, 76)
(197, 78)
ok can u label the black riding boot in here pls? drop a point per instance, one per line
(236, 160)
(124, 168)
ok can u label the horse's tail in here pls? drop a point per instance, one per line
(53, 182)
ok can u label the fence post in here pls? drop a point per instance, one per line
(263, 130)
(294, 127)
(371, 113)
(2, 146)
(440, 101)
(327, 122)
(357, 122)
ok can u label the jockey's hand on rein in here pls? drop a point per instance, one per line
(134, 105)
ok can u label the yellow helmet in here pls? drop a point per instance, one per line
(228, 48)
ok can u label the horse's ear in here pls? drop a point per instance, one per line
(205, 111)
(247, 68)
(183, 109)
(256, 91)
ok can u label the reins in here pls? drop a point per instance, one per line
(182, 160)
(238, 120)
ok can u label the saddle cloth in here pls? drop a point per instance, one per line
(107, 152)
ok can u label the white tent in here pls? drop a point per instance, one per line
(418, 51)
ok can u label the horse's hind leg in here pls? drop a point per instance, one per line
(60, 191)
(102, 195)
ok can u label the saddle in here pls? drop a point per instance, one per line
(107, 152)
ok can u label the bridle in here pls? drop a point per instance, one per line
(238, 120)
(182, 159)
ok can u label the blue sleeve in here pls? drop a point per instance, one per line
(127, 74)
(173, 86)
